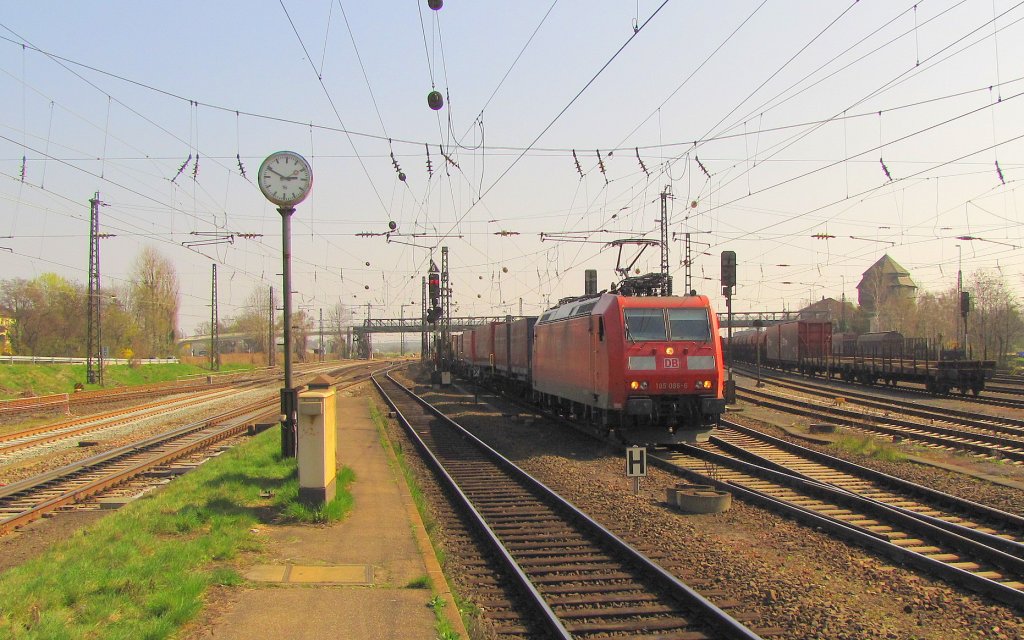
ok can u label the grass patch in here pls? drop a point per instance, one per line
(441, 625)
(44, 379)
(422, 582)
(141, 573)
(333, 511)
(870, 447)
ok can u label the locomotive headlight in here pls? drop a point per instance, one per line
(669, 351)
(703, 384)
(634, 385)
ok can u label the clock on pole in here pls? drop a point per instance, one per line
(285, 178)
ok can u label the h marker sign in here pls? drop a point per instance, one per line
(636, 462)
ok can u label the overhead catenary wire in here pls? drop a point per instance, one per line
(334, 107)
(614, 196)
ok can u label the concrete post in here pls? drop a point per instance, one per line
(317, 442)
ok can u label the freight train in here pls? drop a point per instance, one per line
(810, 348)
(645, 369)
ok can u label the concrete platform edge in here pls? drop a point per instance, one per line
(438, 580)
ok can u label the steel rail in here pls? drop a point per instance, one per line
(874, 541)
(974, 508)
(18, 440)
(1009, 546)
(970, 418)
(77, 493)
(985, 445)
(750, 370)
(723, 622)
(240, 417)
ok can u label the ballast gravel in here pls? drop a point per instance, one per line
(781, 578)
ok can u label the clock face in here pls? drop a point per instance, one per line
(285, 178)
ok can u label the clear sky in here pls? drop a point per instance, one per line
(876, 125)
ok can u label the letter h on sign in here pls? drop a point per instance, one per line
(636, 462)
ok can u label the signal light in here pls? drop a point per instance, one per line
(728, 269)
(434, 287)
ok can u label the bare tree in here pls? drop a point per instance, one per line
(994, 321)
(119, 329)
(339, 320)
(896, 313)
(253, 319)
(934, 318)
(153, 302)
(302, 327)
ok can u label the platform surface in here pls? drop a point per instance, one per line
(345, 580)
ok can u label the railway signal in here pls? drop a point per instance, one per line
(965, 308)
(728, 285)
(434, 292)
(728, 271)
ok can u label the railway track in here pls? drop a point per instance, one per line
(32, 498)
(572, 576)
(842, 387)
(968, 544)
(70, 401)
(980, 441)
(36, 436)
(990, 423)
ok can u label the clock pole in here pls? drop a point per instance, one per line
(285, 179)
(289, 395)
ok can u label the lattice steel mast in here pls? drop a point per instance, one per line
(214, 325)
(93, 344)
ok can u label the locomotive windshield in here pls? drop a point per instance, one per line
(645, 324)
(683, 324)
(689, 324)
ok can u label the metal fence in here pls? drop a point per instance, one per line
(60, 360)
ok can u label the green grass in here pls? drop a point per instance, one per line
(44, 379)
(870, 447)
(422, 582)
(141, 573)
(333, 511)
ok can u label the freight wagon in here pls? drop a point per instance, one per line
(810, 348)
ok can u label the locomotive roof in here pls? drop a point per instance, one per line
(602, 303)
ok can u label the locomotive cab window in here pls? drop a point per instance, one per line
(645, 324)
(689, 324)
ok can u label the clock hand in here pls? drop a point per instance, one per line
(275, 173)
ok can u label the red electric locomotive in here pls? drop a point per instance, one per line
(648, 367)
